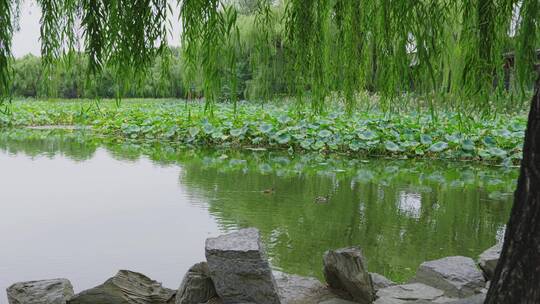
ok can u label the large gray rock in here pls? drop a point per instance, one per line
(457, 276)
(197, 286)
(239, 268)
(55, 291)
(345, 269)
(295, 289)
(408, 292)
(126, 287)
(488, 260)
(379, 281)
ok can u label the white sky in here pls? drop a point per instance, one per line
(26, 40)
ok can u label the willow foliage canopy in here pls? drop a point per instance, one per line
(434, 47)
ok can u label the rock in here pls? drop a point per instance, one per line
(379, 281)
(386, 300)
(476, 299)
(294, 289)
(344, 269)
(457, 276)
(197, 286)
(488, 260)
(126, 287)
(55, 291)
(336, 301)
(239, 268)
(408, 292)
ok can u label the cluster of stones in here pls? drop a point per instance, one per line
(237, 271)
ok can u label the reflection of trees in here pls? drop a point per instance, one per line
(363, 210)
(400, 212)
(75, 145)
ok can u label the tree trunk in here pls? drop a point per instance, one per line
(517, 276)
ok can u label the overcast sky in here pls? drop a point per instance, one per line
(26, 40)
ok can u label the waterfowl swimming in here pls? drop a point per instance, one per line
(322, 199)
(268, 191)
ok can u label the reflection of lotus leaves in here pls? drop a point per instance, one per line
(437, 177)
(265, 168)
(281, 160)
(423, 189)
(236, 162)
(391, 169)
(499, 196)
(493, 181)
(457, 184)
(364, 176)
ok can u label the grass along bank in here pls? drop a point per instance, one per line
(281, 126)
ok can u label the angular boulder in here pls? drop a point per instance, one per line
(197, 286)
(379, 281)
(488, 260)
(126, 287)
(345, 270)
(457, 276)
(239, 268)
(409, 292)
(55, 291)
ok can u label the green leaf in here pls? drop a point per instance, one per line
(425, 139)
(208, 128)
(283, 138)
(193, 131)
(489, 141)
(391, 146)
(265, 128)
(237, 132)
(497, 152)
(283, 119)
(325, 133)
(438, 146)
(367, 135)
(306, 143)
(467, 145)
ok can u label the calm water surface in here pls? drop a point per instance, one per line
(81, 207)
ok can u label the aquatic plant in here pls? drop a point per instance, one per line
(282, 127)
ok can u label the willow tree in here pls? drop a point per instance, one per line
(433, 47)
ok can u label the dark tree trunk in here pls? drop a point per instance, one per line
(517, 277)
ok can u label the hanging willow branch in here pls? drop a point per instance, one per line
(7, 11)
(429, 47)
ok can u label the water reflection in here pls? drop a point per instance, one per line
(400, 212)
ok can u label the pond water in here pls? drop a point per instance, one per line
(82, 207)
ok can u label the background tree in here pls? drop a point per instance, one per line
(446, 50)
